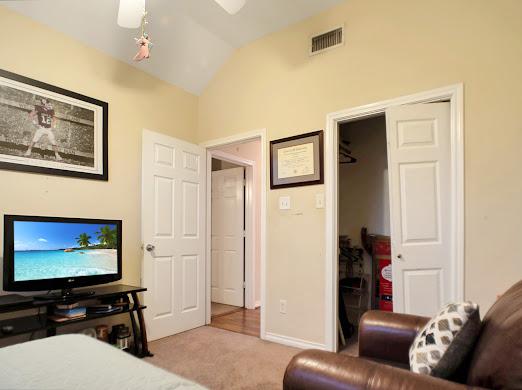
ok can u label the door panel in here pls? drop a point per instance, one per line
(164, 155)
(164, 295)
(173, 212)
(423, 280)
(164, 207)
(190, 290)
(416, 133)
(420, 203)
(190, 209)
(227, 236)
(419, 156)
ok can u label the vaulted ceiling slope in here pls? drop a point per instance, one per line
(192, 38)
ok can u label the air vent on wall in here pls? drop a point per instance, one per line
(327, 40)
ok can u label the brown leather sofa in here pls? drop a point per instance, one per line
(384, 342)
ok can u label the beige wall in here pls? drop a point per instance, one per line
(136, 101)
(393, 48)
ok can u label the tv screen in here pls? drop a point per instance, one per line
(60, 253)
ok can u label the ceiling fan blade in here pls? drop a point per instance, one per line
(130, 13)
(231, 6)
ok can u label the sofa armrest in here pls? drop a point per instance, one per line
(387, 336)
(319, 370)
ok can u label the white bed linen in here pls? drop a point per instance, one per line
(78, 362)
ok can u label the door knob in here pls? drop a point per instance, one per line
(149, 247)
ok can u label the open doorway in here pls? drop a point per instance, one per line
(364, 224)
(235, 237)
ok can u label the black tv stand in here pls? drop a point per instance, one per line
(64, 295)
(41, 321)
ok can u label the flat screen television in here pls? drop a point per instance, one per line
(52, 253)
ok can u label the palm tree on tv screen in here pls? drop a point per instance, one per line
(107, 237)
(83, 240)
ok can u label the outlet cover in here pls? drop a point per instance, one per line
(284, 203)
(319, 201)
(282, 306)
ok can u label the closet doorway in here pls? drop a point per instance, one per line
(364, 224)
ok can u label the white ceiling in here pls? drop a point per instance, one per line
(192, 38)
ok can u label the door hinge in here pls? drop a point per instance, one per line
(244, 233)
(244, 182)
(244, 285)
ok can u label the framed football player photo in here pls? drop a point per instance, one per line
(50, 130)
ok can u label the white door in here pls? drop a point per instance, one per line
(173, 231)
(419, 158)
(228, 211)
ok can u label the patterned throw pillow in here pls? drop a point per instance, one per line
(443, 344)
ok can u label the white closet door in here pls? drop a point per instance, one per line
(419, 153)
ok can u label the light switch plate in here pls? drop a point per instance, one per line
(284, 203)
(319, 201)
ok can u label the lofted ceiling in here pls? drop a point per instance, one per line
(192, 38)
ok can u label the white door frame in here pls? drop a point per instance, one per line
(249, 165)
(453, 93)
(209, 145)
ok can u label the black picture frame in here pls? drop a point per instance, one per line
(316, 178)
(100, 132)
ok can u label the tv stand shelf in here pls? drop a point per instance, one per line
(39, 322)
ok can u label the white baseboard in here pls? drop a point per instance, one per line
(293, 342)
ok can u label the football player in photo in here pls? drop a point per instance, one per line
(45, 121)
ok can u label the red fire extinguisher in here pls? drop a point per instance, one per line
(383, 255)
(385, 285)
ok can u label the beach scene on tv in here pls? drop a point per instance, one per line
(48, 250)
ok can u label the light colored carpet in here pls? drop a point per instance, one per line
(220, 359)
(217, 309)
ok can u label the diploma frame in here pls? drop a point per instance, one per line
(316, 138)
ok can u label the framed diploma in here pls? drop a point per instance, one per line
(297, 161)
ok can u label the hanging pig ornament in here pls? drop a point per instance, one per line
(143, 42)
(144, 45)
